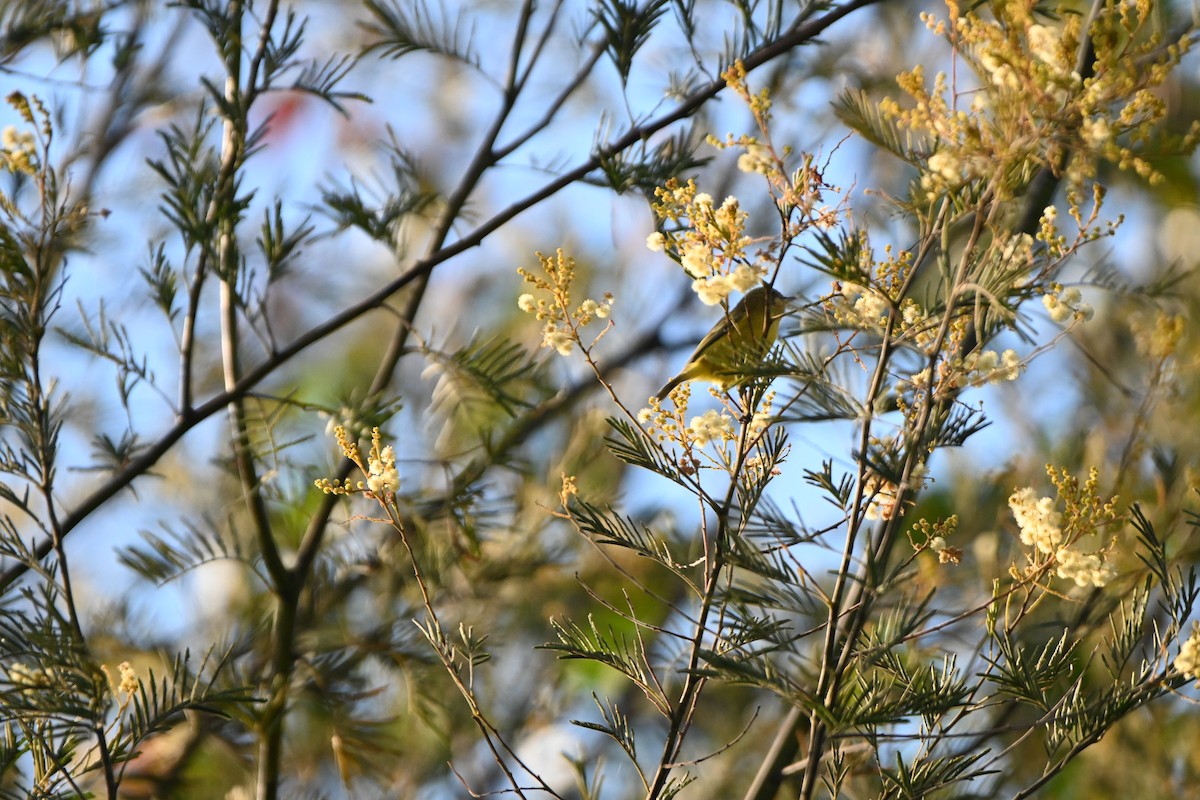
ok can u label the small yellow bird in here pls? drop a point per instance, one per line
(741, 338)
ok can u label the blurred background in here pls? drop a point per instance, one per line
(371, 702)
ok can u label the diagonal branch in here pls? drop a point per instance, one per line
(190, 417)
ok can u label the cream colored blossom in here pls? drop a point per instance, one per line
(1067, 305)
(696, 259)
(711, 426)
(760, 422)
(382, 476)
(1012, 366)
(18, 151)
(1043, 43)
(1000, 72)
(745, 278)
(757, 158)
(712, 290)
(1019, 250)
(883, 499)
(558, 338)
(527, 303)
(12, 139)
(1160, 337)
(1188, 660)
(1096, 131)
(945, 553)
(590, 308)
(946, 165)
(1059, 312)
(656, 242)
(859, 306)
(870, 307)
(129, 680)
(984, 362)
(992, 367)
(30, 679)
(1086, 569)
(1037, 520)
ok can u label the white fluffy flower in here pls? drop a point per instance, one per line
(383, 476)
(712, 290)
(711, 426)
(757, 158)
(1043, 43)
(559, 339)
(1037, 520)
(1086, 569)
(1188, 660)
(696, 258)
(1067, 305)
(744, 278)
(946, 165)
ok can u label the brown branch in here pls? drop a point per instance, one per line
(190, 417)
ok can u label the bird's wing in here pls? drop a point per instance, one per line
(715, 333)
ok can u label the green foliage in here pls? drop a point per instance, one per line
(163, 558)
(627, 27)
(862, 114)
(807, 583)
(403, 28)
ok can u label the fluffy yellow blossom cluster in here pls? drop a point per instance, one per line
(858, 306)
(1037, 520)
(382, 477)
(127, 682)
(699, 431)
(19, 149)
(1188, 660)
(757, 158)
(932, 536)
(711, 426)
(1158, 338)
(1035, 103)
(562, 321)
(875, 301)
(1086, 569)
(1066, 304)
(882, 494)
(1054, 535)
(664, 425)
(990, 367)
(693, 433)
(799, 194)
(710, 241)
(868, 308)
(568, 490)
